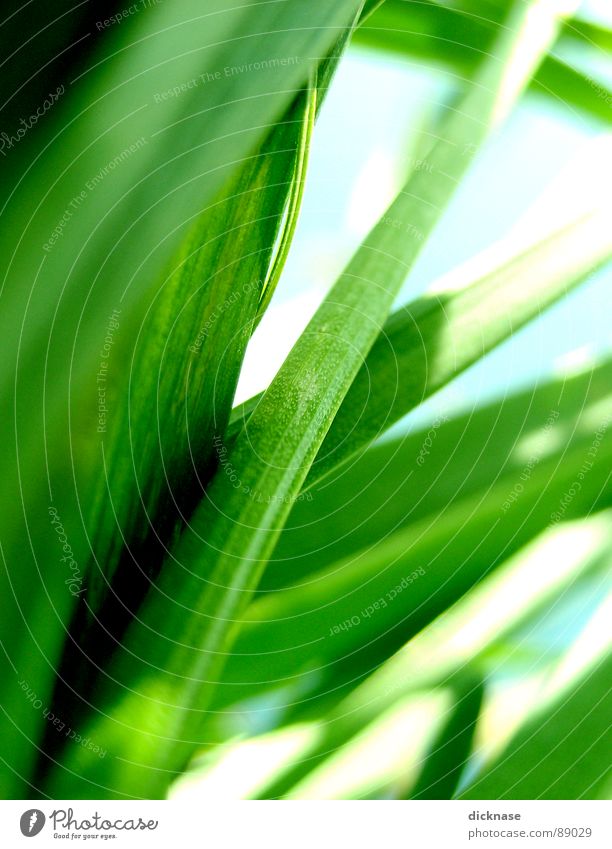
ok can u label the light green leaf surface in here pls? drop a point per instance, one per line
(428, 343)
(427, 472)
(189, 351)
(184, 365)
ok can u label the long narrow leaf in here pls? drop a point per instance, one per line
(142, 142)
(184, 364)
(365, 605)
(429, 342)
(425, 474)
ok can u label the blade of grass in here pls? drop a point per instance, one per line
(386, 753)
(140, 145)
(184, 367)
(424, 345)
(189, 352)
(185, 363)
(315, 93)
(589, 32)
(173, 654)
(364, 606)
(425, 473)
(294, 203)
(408, 366)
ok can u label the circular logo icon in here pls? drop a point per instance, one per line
(32, 822)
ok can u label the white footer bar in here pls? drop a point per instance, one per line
(308, 825)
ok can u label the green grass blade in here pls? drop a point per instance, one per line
(429, 342)
(188, 354)
(336, 623)
(571, 88)
(384, 756)
(165, 137)
(294, 201)
(314, 96)
(428, 472)
(185, 362)
(590, 33)
(184, 366)
(415, 746)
